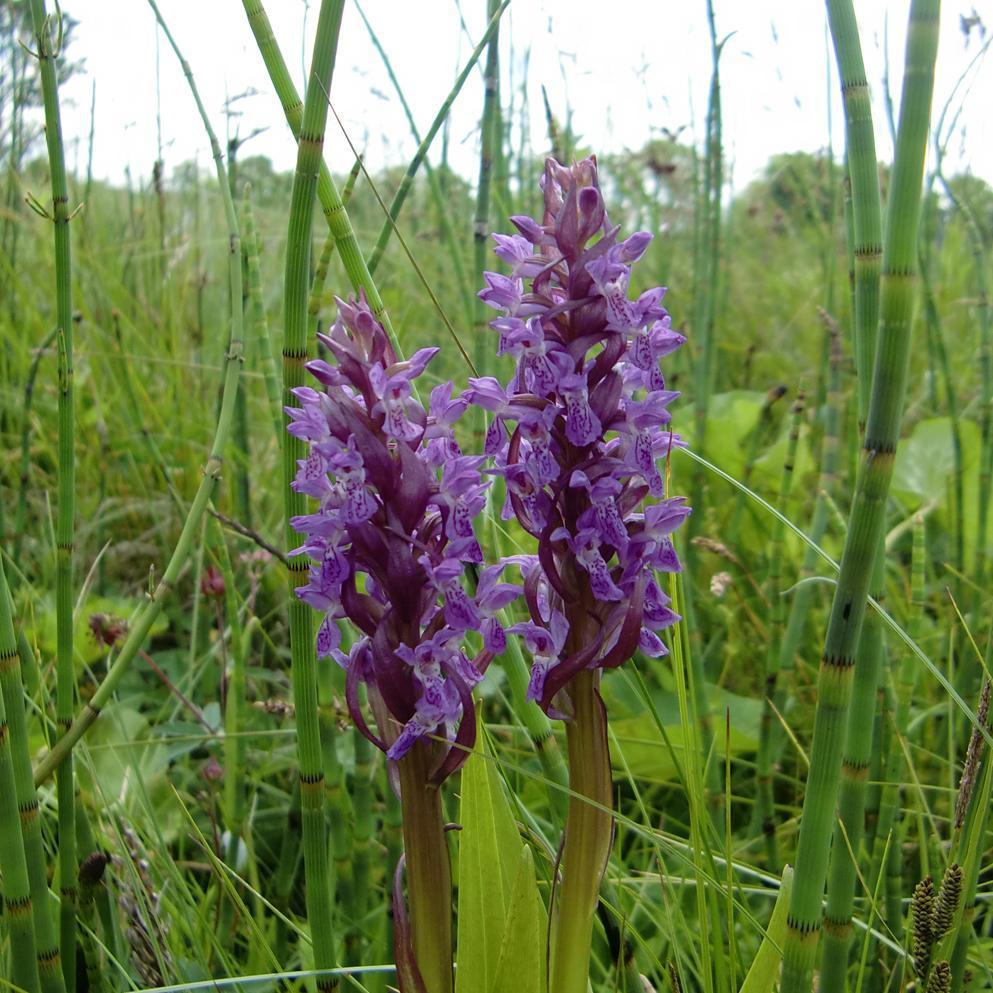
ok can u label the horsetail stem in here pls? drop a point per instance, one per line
(48, 38)
(866, 254)
(13, 864)
(868, 509)
(49, 969)
(148, 612)
(434, 184)
(327, 193)
(489, 149)
(310, 129)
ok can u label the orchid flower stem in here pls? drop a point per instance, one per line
(587, 835)
(429, 874)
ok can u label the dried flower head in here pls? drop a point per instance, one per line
(107, 629)
(579, 431)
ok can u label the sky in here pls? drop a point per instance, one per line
(627, 70)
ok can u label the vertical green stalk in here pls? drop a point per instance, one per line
(363, 833)
(13, 865)
(152, 606)
(834, 687)
(857, 757)
(708, 241)
(764, 791)
(302, 645)
(587, 835)
(866, 253)
(48, 38)
(257, 316)
(489, 149)
(327, 193)
(46, 939)
(429, 874)
(24, 477)
(448, 236)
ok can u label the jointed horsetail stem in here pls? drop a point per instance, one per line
(48, 33)
(150, 609)
(868, 509)
(327, 193)
(310, 165)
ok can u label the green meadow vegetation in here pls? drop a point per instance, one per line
(800, 789)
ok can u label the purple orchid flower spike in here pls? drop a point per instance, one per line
(390, 538)
(580, 432)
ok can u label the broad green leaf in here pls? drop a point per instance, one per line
(490, 852)
(127, 763)
(642, 751)
(925, 462)
(521, 966)
(764, 971)
(87, 649)
(730, 419)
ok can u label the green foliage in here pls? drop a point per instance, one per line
(502, 922)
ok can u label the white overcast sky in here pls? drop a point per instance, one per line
(627, 69)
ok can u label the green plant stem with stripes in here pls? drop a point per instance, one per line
(13, 864)
(834, 689)
(330, 199)
(49, 968)
(150, 609)
(303, 649)
(48, 39)
(866, 253)
(846, 848)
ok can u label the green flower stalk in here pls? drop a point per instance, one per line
(868, 510)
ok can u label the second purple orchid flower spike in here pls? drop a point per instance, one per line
(578, 435)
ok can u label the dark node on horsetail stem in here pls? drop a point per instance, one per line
(921, 915)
